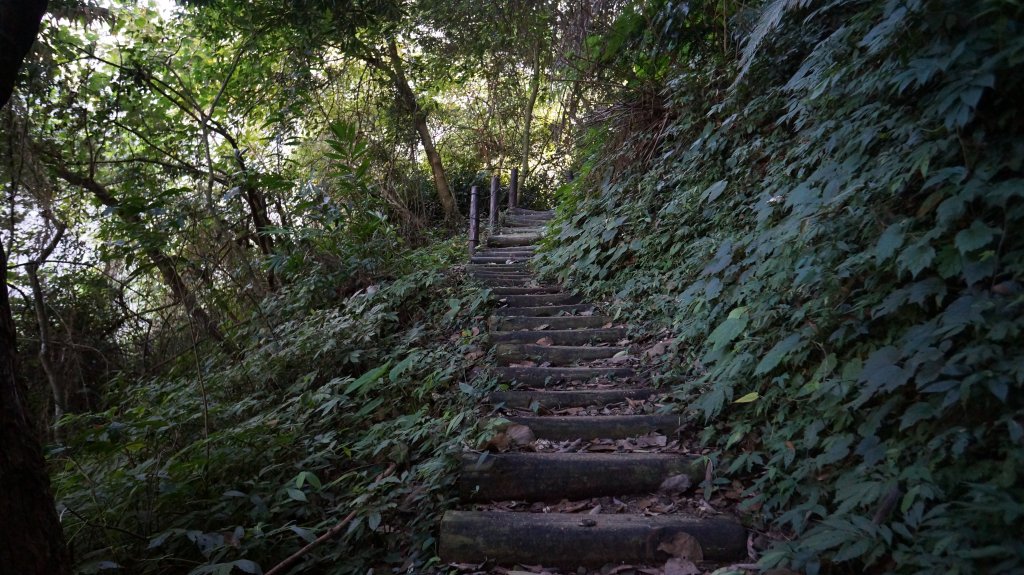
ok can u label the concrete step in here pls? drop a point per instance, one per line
(550, 376)
(553, 354)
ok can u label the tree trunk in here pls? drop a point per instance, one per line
(407, 100)
(528, 114)
(31, 539)
(60, 394)
(19, 25)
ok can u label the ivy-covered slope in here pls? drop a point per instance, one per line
(840, 234)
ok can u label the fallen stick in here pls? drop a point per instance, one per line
(280, 567)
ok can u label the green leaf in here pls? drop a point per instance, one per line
(748, 398)
(978, 235)
(729, 329)
(713, 191)
(247, 566)
(890, 241)
(373, 520)
(296, 494)
(916, 257)
(401, 366)
(777, 353)
(365, 381)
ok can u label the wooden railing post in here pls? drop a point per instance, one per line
(474, 221)
(513, 189)
(492, 213)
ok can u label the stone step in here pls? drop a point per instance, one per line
(499, 267)
(512, 323)
(560, 336)
(556, 476)
(511, 249)
(544, 376)
(479, 259)
(532, 300)
(553, 354)
(547, 399)
(525, 222)
(569, 427)
(543, 310)
(519, 290)
(570, 540)
(526, 212)
(517, 239)
(521, 230)
(505, 282)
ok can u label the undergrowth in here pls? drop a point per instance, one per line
(835, 242)
(331, 408)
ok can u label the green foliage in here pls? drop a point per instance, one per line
(240, 461)
(837, 235)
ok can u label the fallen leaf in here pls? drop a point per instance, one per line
(520, 435)
(475, 355)
(545, 341)
(659, 348)
(542, 327)
(678, 566)
(676, 484)
(683, 546)
(617, 359)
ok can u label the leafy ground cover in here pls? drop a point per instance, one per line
(330, 408)
(831, 240)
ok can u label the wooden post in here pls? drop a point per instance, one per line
(492, 213)
(474, 221)
(513, 189)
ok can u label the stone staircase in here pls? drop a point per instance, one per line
(586, 471)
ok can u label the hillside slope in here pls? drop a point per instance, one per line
(831, 241)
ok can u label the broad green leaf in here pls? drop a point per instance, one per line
(978, 235)
(729, 329)
(748, 398)
(890, 241)
(365, 381)
(777, 353)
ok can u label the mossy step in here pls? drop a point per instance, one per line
(569, 427)
(559, 336)
(554, 354)
(570, 540)
(548, 399)
(543, 310)
(541, 376)
(512, 323)
(556, 476)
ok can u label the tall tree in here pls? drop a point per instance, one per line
(31, 539)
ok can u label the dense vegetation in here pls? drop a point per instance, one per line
(230, 231)
(827, 223)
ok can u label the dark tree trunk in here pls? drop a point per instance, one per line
(31, 539)
(19, 25)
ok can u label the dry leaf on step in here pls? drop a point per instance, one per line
(545, 341)
(520, 435)
(675, 484)
(677, 566)
(659, 348)
(683, 546)
(542, 327)
(475, 355)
